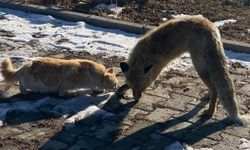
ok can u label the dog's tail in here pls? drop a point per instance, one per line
(8, 72)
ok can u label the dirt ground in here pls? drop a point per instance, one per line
(151, 12)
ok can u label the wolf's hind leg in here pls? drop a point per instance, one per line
(212, 97)
(212, 93)
(225, 89)
(201, 68)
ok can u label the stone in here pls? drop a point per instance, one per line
(243, 132)
(174, 127)
(245, 89)
(141, 130)
(157, 142)
(159, 115)
(70, 135)
(147, 102)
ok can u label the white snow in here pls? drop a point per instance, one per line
(183, 15)
(222, 22)
(183, 63)
(90, 111)
(79, 36)
(164, 19)
(244, 144)
(112, 7)
(77, 108)
(1, 77)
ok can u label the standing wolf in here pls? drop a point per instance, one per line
(198, 36)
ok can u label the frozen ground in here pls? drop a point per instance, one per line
(46, 33)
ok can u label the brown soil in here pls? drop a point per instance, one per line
(151, 12)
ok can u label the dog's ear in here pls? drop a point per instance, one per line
(124, 67)
(146, 69)
(110, 70)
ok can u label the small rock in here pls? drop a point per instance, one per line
(164, 19)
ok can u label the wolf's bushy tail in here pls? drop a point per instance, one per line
(8, 72)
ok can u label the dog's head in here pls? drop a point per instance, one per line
(109, 80)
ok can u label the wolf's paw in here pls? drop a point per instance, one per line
(208, 113)
(243, 120)
(205, 97)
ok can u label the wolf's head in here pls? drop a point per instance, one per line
(142, 67)
(138, 76)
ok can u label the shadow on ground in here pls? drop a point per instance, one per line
(91, 133)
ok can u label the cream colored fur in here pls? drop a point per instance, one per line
(45, 75)
(201, 39)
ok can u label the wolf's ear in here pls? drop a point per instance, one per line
(110, 70)
(146, 69)
(124, 66)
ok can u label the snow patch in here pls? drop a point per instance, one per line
(1, 77)
(222, 22)
(244, 144)
(80, 107)
(90, 111)
(178, 146)
(184, 15)
(182, 63)
(112, 7)
(175, 146)
(1, 123)
(164, 19)
(46, 32)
